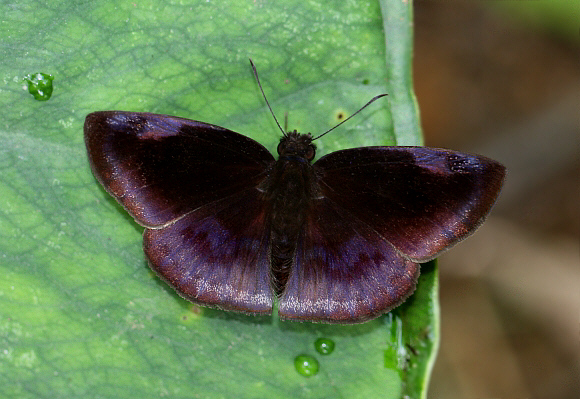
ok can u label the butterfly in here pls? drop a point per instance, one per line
(335, 241)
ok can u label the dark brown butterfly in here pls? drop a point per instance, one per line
(337, 241)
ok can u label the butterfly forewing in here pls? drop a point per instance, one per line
(160, 167)
(421, 200)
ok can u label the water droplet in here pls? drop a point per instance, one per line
(324, 346)
(306, 365)
(39, 85)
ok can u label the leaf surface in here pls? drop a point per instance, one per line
(81, 314)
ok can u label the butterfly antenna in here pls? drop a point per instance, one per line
(267, 103)
(363, 107)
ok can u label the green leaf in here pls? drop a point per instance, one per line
(81, 314)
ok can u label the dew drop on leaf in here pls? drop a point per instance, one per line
(306, 365)
(39, 85)
(324, 346)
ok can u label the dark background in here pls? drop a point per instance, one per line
(489, 80)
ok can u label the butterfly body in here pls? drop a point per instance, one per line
(289, 189)
(337, 241)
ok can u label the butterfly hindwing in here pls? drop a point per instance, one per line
(217, 255)
(344, 271)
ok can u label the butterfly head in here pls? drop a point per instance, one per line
(296, 144)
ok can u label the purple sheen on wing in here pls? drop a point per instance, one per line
(344, 272)
(217, 255)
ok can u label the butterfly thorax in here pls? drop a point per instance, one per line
(289, 189)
